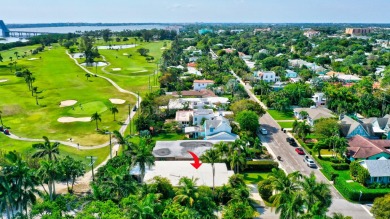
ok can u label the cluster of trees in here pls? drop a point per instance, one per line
(21, 176)
(296, 196)
(90, 51)
(29, 79)
(293, 94)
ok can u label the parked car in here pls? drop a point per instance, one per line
(300, 151)
(134, 108)
(309, 162)
(263, 131)
(291, 141)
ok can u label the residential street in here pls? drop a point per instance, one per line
(277, 145)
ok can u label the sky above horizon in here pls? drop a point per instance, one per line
(179, 11)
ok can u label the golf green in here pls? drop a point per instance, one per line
(87, 109)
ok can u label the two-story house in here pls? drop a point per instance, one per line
(202, 84)
(268, 76)
(351, 127)
(319, 99)
(291, 74)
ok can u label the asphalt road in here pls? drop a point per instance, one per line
(277, 145)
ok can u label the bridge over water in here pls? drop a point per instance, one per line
(5, 32)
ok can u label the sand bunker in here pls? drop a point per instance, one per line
(163, 48)
(94, 64)
(125, 54)
(117, 47)
(1, 81)
(73, 119)
(117, 101)
(32, 59)
(78, 55)
(68, 103)
(116, 69)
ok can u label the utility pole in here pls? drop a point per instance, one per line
(129, 118)
(138, 112)
(93, 159)
(110, 144)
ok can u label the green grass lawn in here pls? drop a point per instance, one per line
(277, 115)
(254, 177)
(26, 149)
(59, 79)
(286, 124)
(161, 137)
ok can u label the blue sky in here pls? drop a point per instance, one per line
(138, 11)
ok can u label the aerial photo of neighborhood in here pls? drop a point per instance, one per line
(172, 109)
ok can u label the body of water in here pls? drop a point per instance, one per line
(11, 40)
(72, 29)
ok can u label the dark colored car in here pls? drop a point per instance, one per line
(291, 141)
(300, 151)
(135, 108)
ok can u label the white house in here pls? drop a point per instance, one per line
(184, 117)
(319, 99)
(200, 114)
(202, 84)
(311, 33)
(197, 103)
(268, 76)
(291, 74)
(218, 125)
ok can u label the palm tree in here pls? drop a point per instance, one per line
(211, 156)
(46, 149)
(10, 58)
(48, 173)
(87, 75)
(187, 192)
(123, 141)
(284, 185)
(16, 54)
(301, 129)
(114, 110)
(143, 207)
(317, 195)
(237, 161)
(143, 156)
(1, 119)
(97, 118)
(36, 92)
(10, 66)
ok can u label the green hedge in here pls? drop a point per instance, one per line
(368, 195)
(261, 165)
(340, 166)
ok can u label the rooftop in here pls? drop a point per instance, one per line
(174, 170)
(203, 81)
(179, 149)
(360, 147)
(377, 168)
(183, 116)
(316, 113)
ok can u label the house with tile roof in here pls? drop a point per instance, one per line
(351, 127)
(379, 170)
(314, 114)
(368, 149)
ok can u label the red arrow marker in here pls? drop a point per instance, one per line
(196, 159)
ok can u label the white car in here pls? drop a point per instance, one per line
(309, 162)
(264, 131)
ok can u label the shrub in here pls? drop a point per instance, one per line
(354, 167)
(19, 74)
(265, 189)
(341, 166)
(261, 165)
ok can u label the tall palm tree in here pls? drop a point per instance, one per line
(143, 207)
(125, 142)
(87, 75)
(16, 53)
(46, 149)
(211, 156)
(35, 91)
(114, 110)
(10, 66)
(284, 185)
(237, 161)
(317, 195)
(187, 192)
(48, 173)
(143, 156)
(97, 118)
